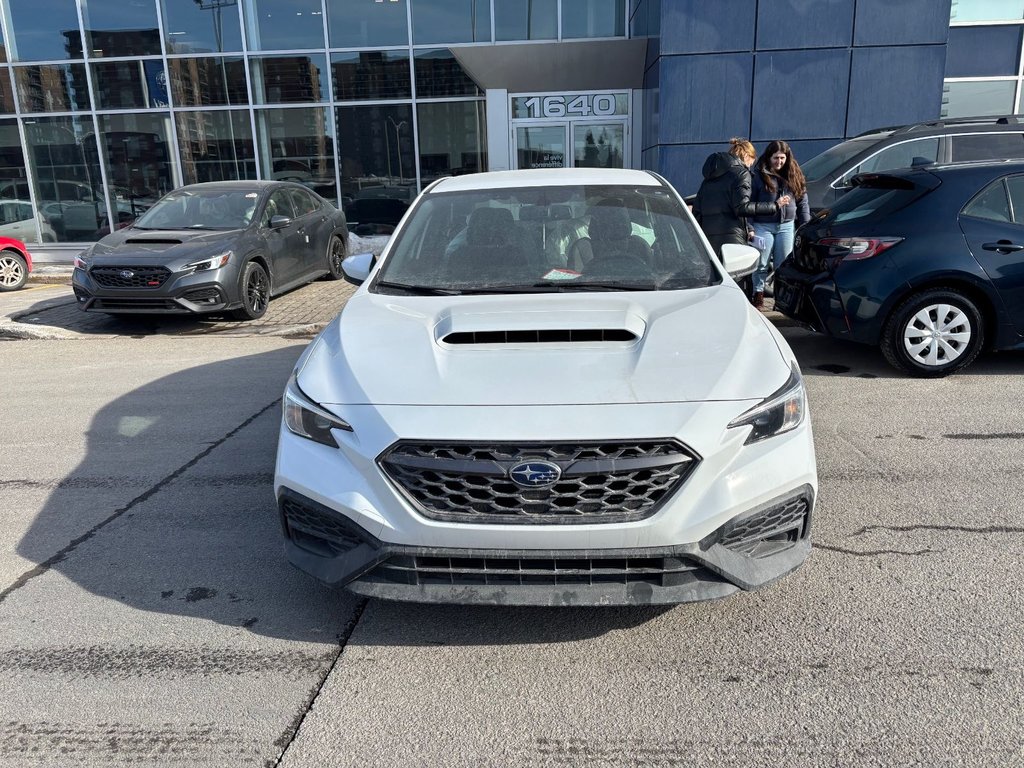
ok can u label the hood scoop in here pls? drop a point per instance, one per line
(155, 240)
(541, 336)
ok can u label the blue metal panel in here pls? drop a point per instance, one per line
(705, 98)
(697, 26)
(802, 24)
(800, 94)
(901, 22)
(982, 51)
(895, 86)
(681, 164)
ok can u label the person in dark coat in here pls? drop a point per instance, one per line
(723, 203)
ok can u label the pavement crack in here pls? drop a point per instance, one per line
(944, 528)
(53, 560)
(875, 552)
(285, 740)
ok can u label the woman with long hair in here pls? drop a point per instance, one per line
(723, 204)
(777, 173)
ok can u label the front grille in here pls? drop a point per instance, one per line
(767, 532)
(607, 482)
(129, 276)
(521, 571)
(302, 521)
(141, 305)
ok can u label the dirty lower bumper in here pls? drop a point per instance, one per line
(750, 551)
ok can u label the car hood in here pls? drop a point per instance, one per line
(161, 246)
(695, 345)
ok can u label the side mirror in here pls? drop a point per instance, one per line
(278, 221)
(357, 267)
(739, 260)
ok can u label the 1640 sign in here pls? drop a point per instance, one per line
(570, 105)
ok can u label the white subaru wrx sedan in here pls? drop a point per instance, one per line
(547, 391)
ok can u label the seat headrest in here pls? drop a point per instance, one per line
(533, 213)
(609, 221)
(490, 226)
(559, 212)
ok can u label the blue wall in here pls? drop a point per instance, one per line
(812, 73)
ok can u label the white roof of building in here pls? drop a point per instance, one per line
(546, 177)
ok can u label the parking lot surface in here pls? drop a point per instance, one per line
(147, 615)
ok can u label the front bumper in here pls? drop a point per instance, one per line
(748, 552)
(180, 293)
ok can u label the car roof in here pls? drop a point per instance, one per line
(963, 166)
(237, 185)
(982, 124)
(546, 177)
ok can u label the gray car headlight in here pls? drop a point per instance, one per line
(782, 411)
(207, 264)
(306, 419)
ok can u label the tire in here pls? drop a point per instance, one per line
(13, 271)
(908, 342)
(255, 291)
(335, 255)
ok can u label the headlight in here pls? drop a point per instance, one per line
(782, 411)
(306, 419)
(82, 259)
(207, 264)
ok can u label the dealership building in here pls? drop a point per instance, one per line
(107, 104)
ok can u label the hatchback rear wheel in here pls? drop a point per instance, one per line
(934, 333)
(255, 286)
(13, 271)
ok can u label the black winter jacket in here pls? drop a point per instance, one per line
(798, 209)
(723, 201)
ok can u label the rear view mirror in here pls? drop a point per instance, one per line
(739, 260)
(357, 267)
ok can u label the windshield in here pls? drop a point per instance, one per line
(542, 239)
(201, 209)
(834, 158)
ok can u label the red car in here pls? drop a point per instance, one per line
(15, 264)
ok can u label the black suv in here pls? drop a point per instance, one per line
(927, 263)
(829, 175)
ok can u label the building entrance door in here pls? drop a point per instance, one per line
(586, 130)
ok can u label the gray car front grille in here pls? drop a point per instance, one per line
(601, 482)
(129, 276)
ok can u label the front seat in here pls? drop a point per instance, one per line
(610, 239)
(491, 250)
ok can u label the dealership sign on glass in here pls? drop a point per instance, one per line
(562, 105)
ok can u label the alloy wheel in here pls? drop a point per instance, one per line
(257, 291)
(12, 272)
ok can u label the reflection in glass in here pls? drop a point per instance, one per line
(66, 173)
(378, 165)
(52, 88)
(201, 26)
(213, 81)
(439, 74)
(598, 145)
(298, 145)
(986, 10)
(360, 24)
(284, 25)
(121, 28)
(371, 75)
(215, 146)
(6, 94)
(526, 20)
(17, 217)
(129, 84)
(289, 79)
(453, 139)
(139, 161)
(451, 21)
(44, 30)
(540, 146)
(593, 18)
(985, 97)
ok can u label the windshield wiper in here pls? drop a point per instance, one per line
(200, 226)
(416, 290)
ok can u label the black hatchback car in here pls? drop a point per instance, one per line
(214, 247)
(926, 263)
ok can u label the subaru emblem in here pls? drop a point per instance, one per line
(535, 474)
(127, 274)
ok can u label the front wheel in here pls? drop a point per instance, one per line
(933, 333)
(13, 271)
(255, 286)
(335, 255)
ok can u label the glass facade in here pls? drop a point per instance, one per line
(107, 104)
(984, 59)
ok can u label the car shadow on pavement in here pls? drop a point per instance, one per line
(171, 511)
